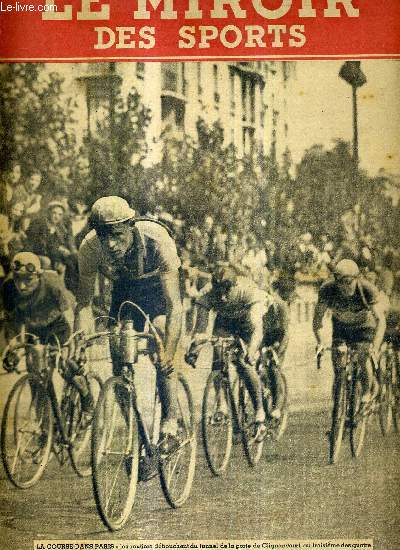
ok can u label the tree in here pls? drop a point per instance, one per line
(324, 188)
(116, 150)
(36, 125)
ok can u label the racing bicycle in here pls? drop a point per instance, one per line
(348, 414)
(36, 423)
(227, 409)
(125, 446)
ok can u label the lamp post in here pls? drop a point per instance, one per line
(351, 72)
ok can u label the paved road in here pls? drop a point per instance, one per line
(293, 493)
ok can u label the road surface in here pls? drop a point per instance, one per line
(293, 493)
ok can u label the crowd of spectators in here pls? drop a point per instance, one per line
(33, 221)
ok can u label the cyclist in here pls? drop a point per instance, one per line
(276, 334)
(358, 319)
(238, 307)
(37, 300)
(141, 259)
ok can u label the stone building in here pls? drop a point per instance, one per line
(248, 98)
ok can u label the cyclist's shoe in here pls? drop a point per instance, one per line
(366, 404)
(169, 441)
(276, 413)
(86, 420)
(87, 405)
(40, 445)
(260, 431)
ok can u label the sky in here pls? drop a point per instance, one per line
(320, 110)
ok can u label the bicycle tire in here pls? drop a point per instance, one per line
(338, 418)
(217, 429)
(80, 438)
(358, 420)
(30, 444)
(115, 454)
(184, 459)
(252, 448)
(385, 412)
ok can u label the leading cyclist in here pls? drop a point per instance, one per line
(141, 259)
(358, 319)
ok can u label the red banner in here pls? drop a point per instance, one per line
(85, 30)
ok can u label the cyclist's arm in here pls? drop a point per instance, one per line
(11, 329)
(170, 285)
(319, 313)
(256, 314)
(380, 317)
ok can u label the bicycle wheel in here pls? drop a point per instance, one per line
(358, 420)
(386, 395)
(115, 454)
(216, 423)
(252, 447)
(338, 417)
(79, 432)
(177, 469)
(26, 432)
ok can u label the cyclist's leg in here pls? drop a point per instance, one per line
(275, 380)
(368, 380)
(245, 330)
(339, 359)
(167, 388)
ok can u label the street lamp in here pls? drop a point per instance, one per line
(351, 72)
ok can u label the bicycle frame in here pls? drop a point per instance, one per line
(227, 350)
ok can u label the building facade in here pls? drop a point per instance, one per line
(249, 99)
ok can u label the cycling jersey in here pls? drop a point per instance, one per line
(136, 277)
(42, 310)
(233, 308)
(352, 316)
(236, 303)
(276, 322)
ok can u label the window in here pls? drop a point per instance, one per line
(99, 93)
(248, 113)
(232, 92)
(173, 101)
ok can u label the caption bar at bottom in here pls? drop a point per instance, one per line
(326, 544)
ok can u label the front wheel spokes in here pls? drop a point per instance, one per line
(177, 469)
(26, 432)
(217, 429)
(115, 454)
(358, 419)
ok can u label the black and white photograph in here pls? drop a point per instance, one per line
(200, 304)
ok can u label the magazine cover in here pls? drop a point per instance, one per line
(200, 274)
